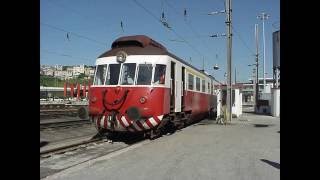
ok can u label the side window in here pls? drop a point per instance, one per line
(113, 74)
(190, 81)
(128, 72)
(208, 87)
(197, 83)
(203, 86)
(144, 74)
(160, 74)
(100, 74)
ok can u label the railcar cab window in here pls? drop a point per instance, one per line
(144, 74)
(190, 81)
(160, 74)
(198, 84)
(100, 74)
(128, 73)
(113, 74)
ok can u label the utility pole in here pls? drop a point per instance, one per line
(235, 75)
(229, 62)
(257, 66)
(263, 16)
(228, 34)
(254, 85)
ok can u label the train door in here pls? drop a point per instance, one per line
(172, 87)
(182, 88)
(178, 86)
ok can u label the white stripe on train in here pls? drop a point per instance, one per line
(153, 122)
(136, 126)
(102, 121)
(124, 120)
(126, 123)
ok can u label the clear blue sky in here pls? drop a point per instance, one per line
(94, 24)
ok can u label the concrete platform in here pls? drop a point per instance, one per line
(247, 149)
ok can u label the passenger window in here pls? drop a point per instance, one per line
(160, 74)
(128, 72)
(197, 83)
(144, 74)
(190, 81)
(100, 74)
(203, 86)
(113, 74)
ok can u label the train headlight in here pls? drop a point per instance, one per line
(121, 56)
(143, 100)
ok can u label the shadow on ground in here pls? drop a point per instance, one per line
(204, 122)
(43, 143)
(274, 164)
(131, 138)
(263, 125)
(127, 138)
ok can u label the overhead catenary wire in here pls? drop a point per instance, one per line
(175, 32)
(244, 43)
(53, 2)
(66, 8)
(197, 35)
(73, 33)
(64, 55)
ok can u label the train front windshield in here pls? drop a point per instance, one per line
(129, 74)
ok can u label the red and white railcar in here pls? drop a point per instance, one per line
(140, 87)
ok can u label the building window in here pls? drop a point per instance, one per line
(100, 74)
(159, 74)
(190, 81)
(113, 74)
(128, 73)
(197, 83)
(144, 74)
(203, 86)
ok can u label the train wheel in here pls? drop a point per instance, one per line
(153, 134)
(100, 134)
(111, 135)
(170, 128)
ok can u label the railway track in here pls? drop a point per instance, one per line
(63, 155)
(63, 124)
(70, 146)
(75, 143)
(58, 110)
(55, 113)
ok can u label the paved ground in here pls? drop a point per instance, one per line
(247, 149)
